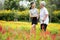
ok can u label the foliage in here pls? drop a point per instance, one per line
(56, 16)
(20, 30)
(11, 4)
(9, 15)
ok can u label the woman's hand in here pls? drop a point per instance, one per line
(37, 17)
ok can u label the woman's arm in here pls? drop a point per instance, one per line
(31, 15)
(37, 14)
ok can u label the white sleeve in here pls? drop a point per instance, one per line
(46, 11)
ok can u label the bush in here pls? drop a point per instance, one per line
(10, 15)
(56, 17)
(14, 14)
(23, 16)
(6, 17)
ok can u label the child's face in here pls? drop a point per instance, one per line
(33, 5)
(41, 5)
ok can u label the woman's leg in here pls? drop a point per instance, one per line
(33, 30)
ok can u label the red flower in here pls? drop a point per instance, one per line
(47, 32)
(10, 29)
(0, 28)
(3, 31)
(8, 38)
(59, 34)
(53, 36)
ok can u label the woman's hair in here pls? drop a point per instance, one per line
(31, 4)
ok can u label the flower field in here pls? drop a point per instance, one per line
(21, 31)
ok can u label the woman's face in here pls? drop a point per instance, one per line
(33, 5)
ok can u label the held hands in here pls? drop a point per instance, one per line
(43, 20)
(37, 17)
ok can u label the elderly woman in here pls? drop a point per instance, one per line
(44, 16)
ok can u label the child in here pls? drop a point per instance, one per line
(44, 16)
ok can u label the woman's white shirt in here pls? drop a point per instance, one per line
(34, 12)
(43, 12)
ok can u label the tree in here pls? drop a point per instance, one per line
(10, 4)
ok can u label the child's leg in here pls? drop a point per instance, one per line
(45, 27)
(42, 27)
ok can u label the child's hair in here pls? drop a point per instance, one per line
(31, 4)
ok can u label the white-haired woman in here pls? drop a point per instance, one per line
(44, 16)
